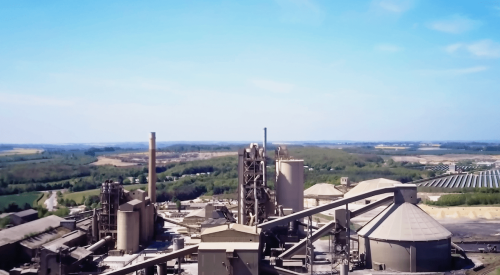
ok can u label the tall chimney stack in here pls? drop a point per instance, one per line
(152, 168)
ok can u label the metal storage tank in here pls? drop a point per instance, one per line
(405, 238)
(178, 243)
(290, 184)
(128, 231)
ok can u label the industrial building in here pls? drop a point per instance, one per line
(11, 250)
(23, 216)
(273, 232)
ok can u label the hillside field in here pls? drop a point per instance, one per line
(20, 199)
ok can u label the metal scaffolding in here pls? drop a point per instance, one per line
(253, 194)
(111, 193)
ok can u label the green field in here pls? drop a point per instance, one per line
(20, 199)
(77, 196)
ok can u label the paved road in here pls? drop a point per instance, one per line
(52, 201)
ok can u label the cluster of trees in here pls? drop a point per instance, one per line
(62, 168)
(481, 196)
(44, 212)
(92, 151)
(471, 146)
(184, 148)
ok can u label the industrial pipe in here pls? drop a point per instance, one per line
(321, 208)
(154, 261)
(100, 243)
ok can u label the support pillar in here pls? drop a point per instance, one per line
(150, 270)
(162, 269)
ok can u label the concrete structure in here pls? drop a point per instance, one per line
(345, 181)
(369, 185)
(404, 238)
(321, 193)
(152, 168)
(24, 216)
(136, 219)
(128, 233)
(290, 184)
(452, 168)
(10, 249)
(57, 258)
(229, 249)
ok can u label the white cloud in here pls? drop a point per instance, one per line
(484, 48)
(301, 11)
(454, 72)
(453, 47)
(394, 6)
(455, 24)
(273, 86)
(33, 100)
(388, 48)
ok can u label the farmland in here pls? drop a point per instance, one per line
(19, 199)
(20, 151)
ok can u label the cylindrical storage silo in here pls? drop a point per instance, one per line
(128, 231)
(151, 216)
(404, 238)
(290, 184)
(144, 230)
(178, 243)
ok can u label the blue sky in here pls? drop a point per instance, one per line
(111, 71)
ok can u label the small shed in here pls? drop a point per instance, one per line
(24, 216)
(229, 247)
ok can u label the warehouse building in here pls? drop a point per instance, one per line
(11, 251)
(24, 216)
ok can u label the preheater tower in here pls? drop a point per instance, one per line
(152, 168)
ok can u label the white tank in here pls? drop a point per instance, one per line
(128, 231)
(290, 184)
(178, 243)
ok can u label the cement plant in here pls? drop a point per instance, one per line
(370, 227)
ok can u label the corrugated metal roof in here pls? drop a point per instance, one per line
(232, 226)
(17, 233)
(322, 189)
(26, 213)
(229, 246)
(404, 222)
(369, 185)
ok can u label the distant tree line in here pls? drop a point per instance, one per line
(92, 151)
(479, 196)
